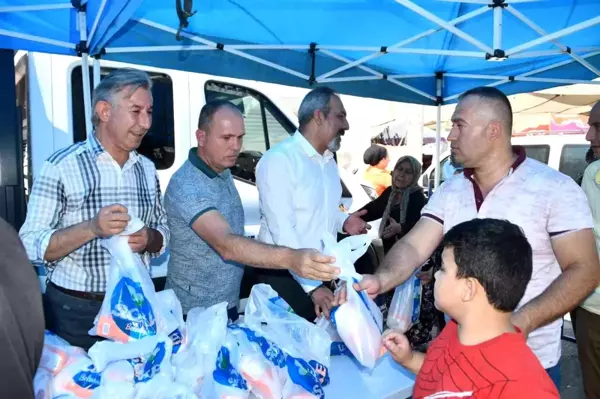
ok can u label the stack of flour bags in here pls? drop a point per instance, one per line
(150, 352)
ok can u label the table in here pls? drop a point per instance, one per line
(387, 380)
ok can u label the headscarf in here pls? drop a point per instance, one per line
(406, 192)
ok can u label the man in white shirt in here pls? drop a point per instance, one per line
(500, 182)
(300, 192)
(586, 318)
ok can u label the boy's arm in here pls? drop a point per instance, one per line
(414, 363)
(401, 352)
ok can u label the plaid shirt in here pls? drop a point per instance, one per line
(72, 187)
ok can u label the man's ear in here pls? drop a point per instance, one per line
(201, 137)
(103, 110)
(319, 117)
(495, 130)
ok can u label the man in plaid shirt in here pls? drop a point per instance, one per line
(87, 192)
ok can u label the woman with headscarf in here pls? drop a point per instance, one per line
(377, 175)
(399, 208)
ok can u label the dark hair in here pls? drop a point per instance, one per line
(497, 254)
(497, 101)
(209, 110)
(316, 100)
(374, 154)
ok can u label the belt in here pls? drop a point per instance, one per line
(90, 296)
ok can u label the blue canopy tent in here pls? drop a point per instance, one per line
(418, 51)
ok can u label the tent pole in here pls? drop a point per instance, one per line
(85, 73)
(41, 7)
(444, 24)
(456, 21)
(148, 49)
(438, 133)
(96, 22)
(497, 28)
(556, 35)
(33, 38)
(96, 72)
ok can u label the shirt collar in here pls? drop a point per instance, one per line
(200, 164)
(518, 150)
(96, 148)
(309, 149)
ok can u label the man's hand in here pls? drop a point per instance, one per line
(322, 297)
(518, 319)
(354, 225)
(394, 228)
(313, 265)
(139, 241)
(110, 221)
(398, 345)
(369, 283)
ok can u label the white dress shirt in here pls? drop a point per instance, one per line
(591, 187)
(300, 193)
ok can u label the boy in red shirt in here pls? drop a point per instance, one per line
(486, 266)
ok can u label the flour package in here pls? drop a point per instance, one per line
(78, 379)
(338, 347)
(206, 330)
(306, 346)
(170, 309)
(227, 382)
(130, 309)
(359, 321)
(57, 352)
(43, 384)
(406, 305)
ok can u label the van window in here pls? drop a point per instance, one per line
(539, 152)
(264, 123)
(159, 143)
(572, 160)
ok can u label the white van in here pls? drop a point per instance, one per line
(50, 100)
(565, 153)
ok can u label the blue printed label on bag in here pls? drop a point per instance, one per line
(177, 338)
(269, 349)
(88, 379)
(146, 367)
(311, 376)
(225, 374)
(340, 349)
(281, 303)
(416, 308)
(131, 310)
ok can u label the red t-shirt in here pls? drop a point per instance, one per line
(503, 367)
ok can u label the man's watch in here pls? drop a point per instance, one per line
(310, 293)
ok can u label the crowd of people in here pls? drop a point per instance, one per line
(504, 250)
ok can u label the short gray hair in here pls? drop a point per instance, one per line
(316, 100)
(117, 81)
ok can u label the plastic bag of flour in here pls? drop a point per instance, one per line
(406, 305)
(130, 309)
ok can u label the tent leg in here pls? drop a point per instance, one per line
(438, 133)
(96, 72)
(85, 74)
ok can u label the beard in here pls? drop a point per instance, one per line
(335, 144)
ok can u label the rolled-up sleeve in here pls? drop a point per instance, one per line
(46, 207)
(276, 191)
(159, 219)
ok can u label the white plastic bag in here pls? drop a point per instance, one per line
(57, 352)
(271, 316)
(338, 347)
(261, 363)
(129, 311)
(346, 253)
(306, 346)
(359, 321)
(148, 356)
(406, 305)
(205, 333)
(360, 324)
(163, 387)
(117, 382)
(227, 382)
(42, 384)
(170, 309)
(78, 379)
